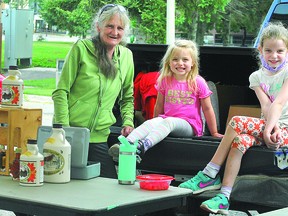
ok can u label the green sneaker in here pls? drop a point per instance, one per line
(201, 183)
(217, 205)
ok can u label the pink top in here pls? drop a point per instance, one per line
(183, 103)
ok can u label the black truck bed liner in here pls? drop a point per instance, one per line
(260, 185)
(185, 156)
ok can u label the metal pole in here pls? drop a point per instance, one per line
(170, 23)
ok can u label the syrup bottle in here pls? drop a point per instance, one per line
(15, 166)
(12, 89)
(31, 165)
(57, 156)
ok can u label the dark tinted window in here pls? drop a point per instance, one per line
(280, 14)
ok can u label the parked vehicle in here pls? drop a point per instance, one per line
(228, 68)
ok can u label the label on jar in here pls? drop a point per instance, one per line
(54, 162)
(31, 172)
(11, 95)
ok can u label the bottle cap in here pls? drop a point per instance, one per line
(18, 150)
(56, 125)
(13, 67)
(2, 148)
(32, 141)
(127, 146)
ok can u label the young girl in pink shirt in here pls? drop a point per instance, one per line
(182, 92)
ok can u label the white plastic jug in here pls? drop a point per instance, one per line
(1, 80)
(57, 157)
(12, 89)
(31, 165)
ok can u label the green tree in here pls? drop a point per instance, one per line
(148, 18)
(76, 16)
(19, 4)
(199, 14)
(241, 16)
(72, 15)
(193, 17)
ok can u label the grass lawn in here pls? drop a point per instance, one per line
(44, 54)
(43, 87)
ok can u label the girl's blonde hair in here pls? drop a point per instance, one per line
(192, 74)
(274, 30)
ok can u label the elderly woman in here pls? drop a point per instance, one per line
(97, 72)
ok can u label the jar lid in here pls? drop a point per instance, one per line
(56, 125)
(31, 141)
(13, 67)
(18, 150)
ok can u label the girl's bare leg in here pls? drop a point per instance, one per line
(232, 167)
(224, 146)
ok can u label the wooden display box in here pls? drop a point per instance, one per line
(17, 125)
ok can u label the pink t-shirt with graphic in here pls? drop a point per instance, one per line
(183, 103)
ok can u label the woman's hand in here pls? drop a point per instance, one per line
(126, 130)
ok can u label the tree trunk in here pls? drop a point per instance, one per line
(226, 29)
(193, 28)
(200, 33)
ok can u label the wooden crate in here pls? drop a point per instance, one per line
(17, 125)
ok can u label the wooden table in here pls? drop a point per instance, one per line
(98, 196)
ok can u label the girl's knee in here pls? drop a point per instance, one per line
(169, 122)
(237, 123)
(235, 120)
(242, 143)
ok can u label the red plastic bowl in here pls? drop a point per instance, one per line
(154, 181)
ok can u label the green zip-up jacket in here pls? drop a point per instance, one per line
(84, 97)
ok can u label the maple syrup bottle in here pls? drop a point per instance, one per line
(57, 156)
(31, 165)
(12, 89)
(15, 166)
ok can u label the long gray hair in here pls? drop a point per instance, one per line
(106, 65)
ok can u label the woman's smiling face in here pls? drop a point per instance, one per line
(111, 33)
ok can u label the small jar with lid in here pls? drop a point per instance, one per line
(12, 89)
(31, 165)
(15, 166)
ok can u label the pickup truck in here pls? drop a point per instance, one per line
(228, 68)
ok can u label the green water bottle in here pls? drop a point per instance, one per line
(127, 162)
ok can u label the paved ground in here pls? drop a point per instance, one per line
(43, 102)
(34, 101)
(36, 73)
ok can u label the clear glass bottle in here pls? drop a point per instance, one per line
(2, 157)
(15, 166)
